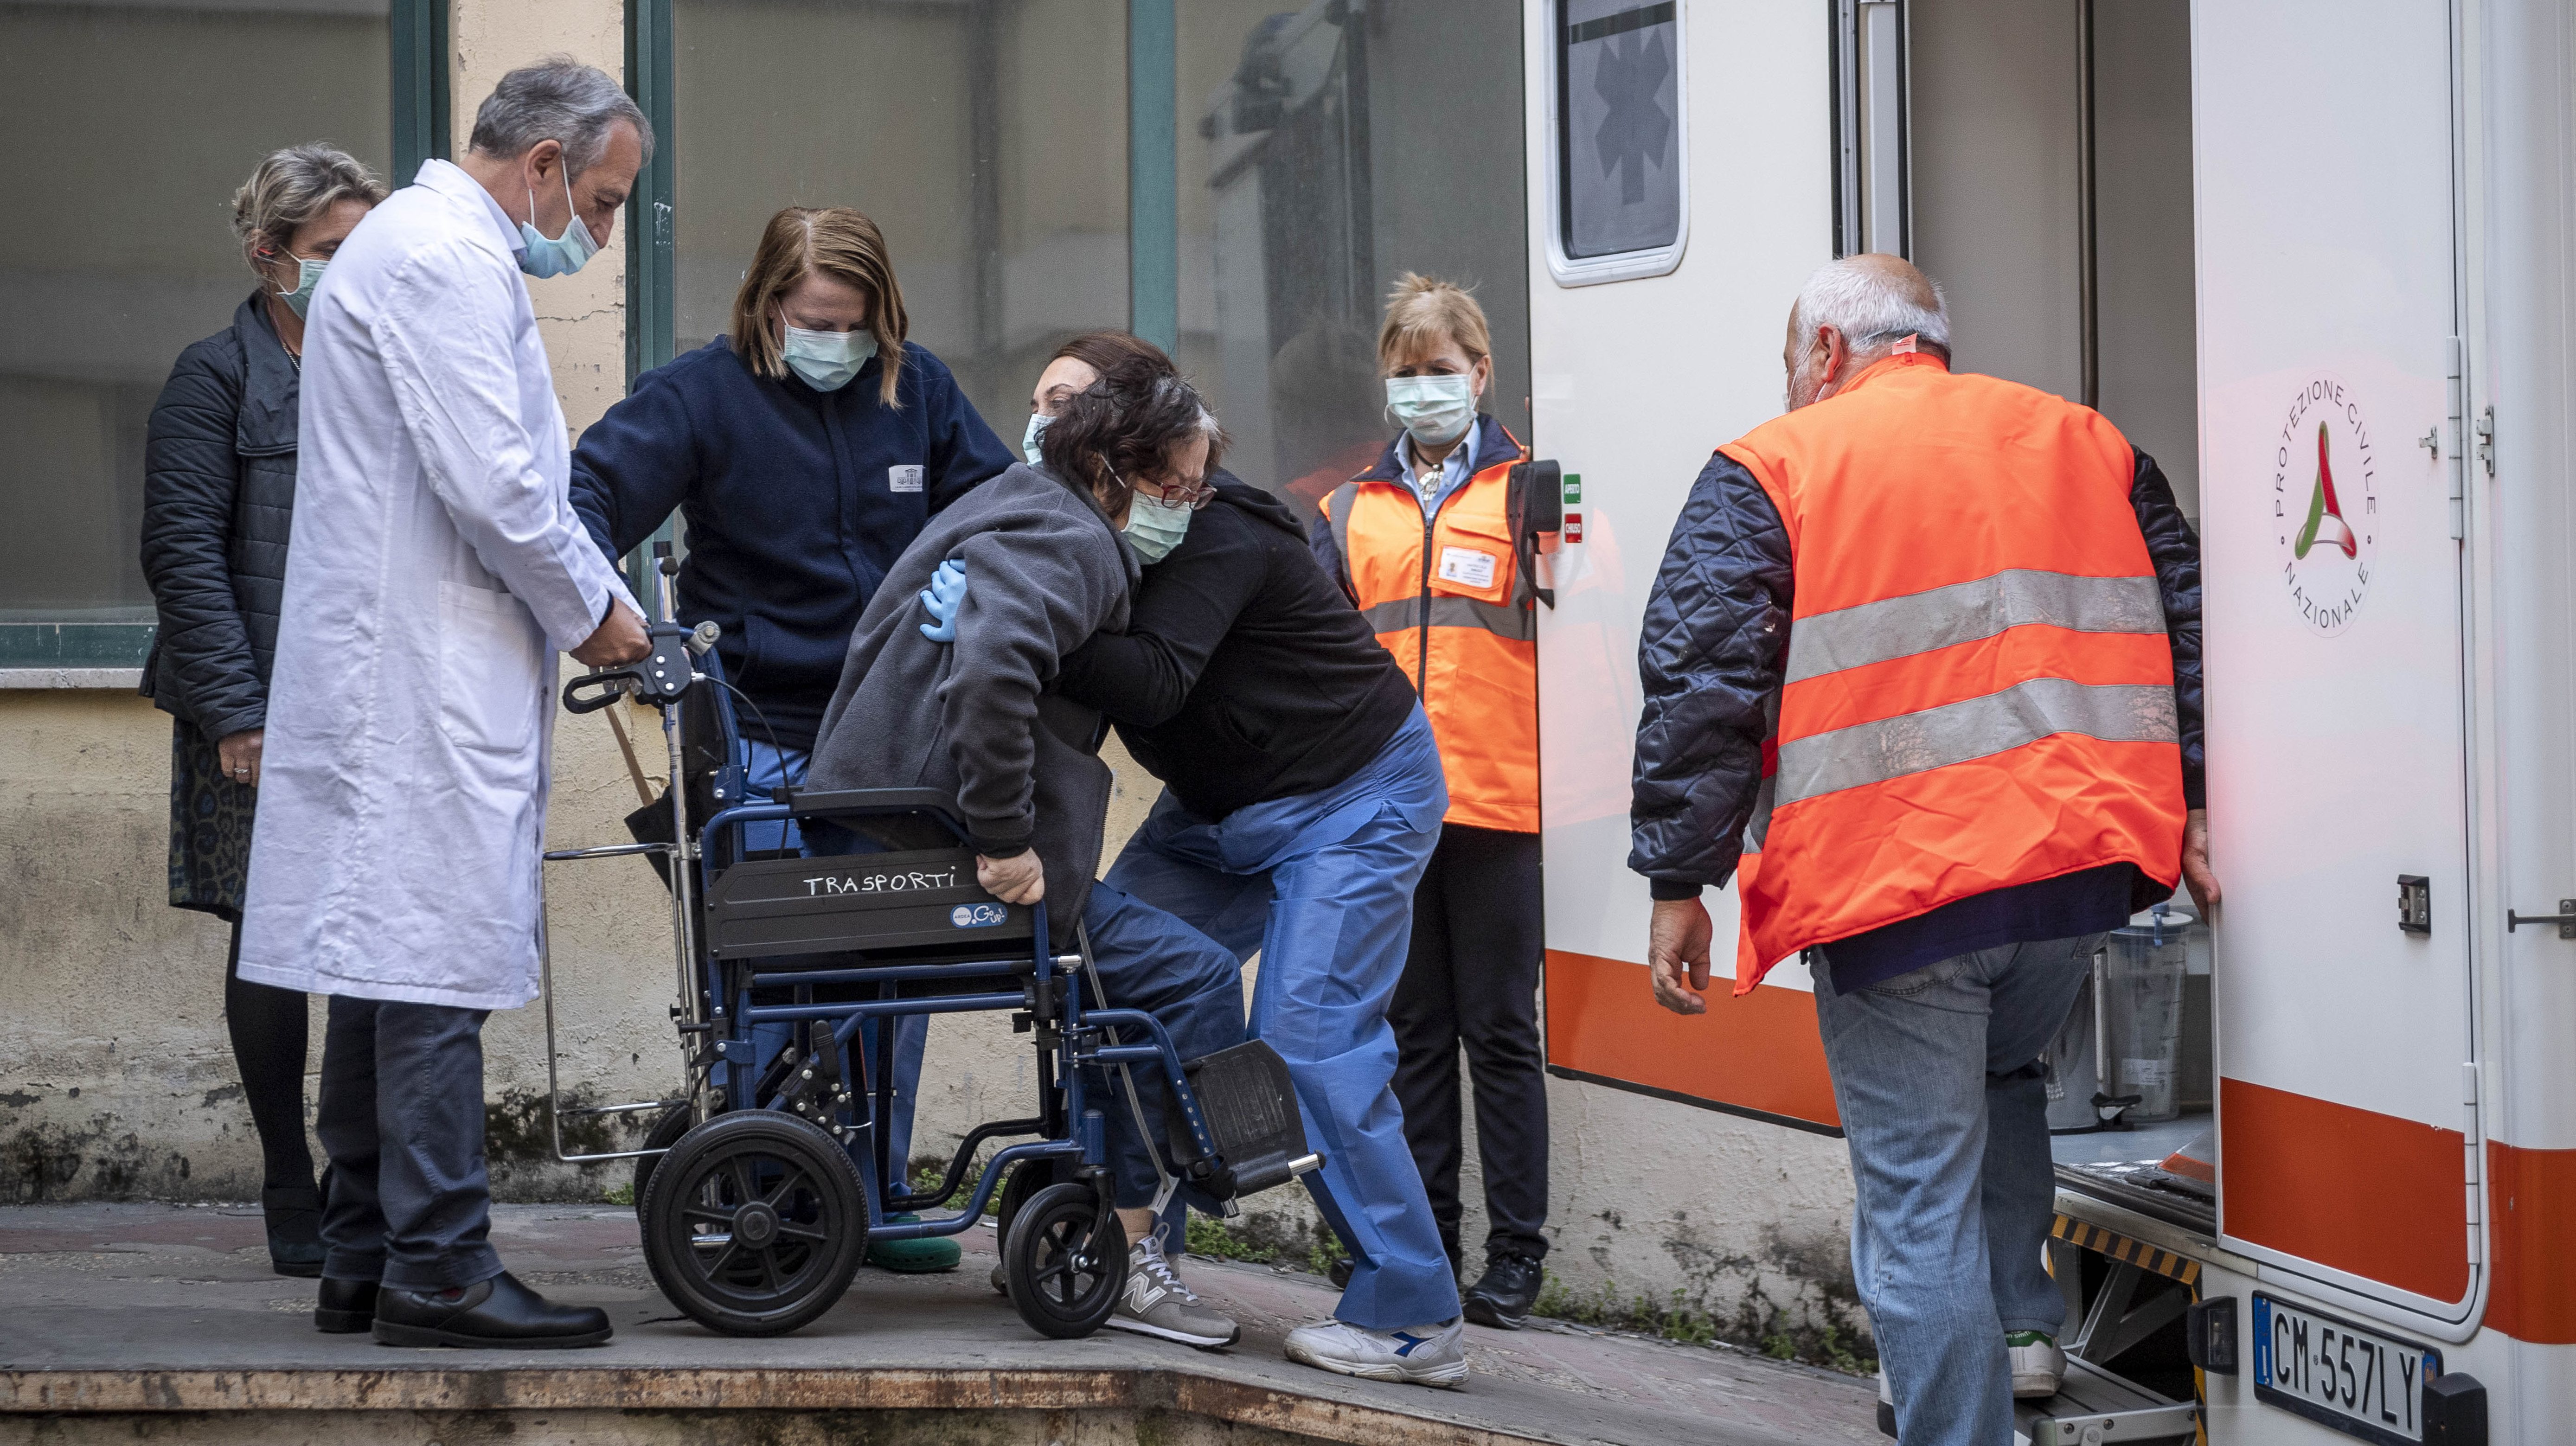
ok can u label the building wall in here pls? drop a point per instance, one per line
(116, 1079)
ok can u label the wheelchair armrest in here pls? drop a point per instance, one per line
(874, 803)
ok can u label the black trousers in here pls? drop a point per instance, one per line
(1472, 979)
(401, 1118)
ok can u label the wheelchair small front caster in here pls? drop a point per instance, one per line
(667, 1129)
(755, 1223)
(1066, 1261)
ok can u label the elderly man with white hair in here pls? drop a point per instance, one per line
(1922, 674)
(438, 567)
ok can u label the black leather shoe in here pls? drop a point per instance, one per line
(1502, 1297)
(346, 1307)
(498, 1314)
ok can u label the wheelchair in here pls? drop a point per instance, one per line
(763, 1181)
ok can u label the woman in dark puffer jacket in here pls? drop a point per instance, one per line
(218, 491)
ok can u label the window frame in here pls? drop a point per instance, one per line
(1568, 270)
(92, 655)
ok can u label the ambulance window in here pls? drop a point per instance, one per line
(1617, 175)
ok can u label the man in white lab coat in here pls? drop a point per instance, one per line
(437, 568)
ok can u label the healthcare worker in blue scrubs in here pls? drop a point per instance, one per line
(805, 450)
(1303, 799)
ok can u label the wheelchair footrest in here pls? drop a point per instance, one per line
(1250, 1107)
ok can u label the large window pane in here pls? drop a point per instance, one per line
(987, 138)
(129, 126)
(1325, 151)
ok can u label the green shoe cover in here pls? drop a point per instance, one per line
(918, 1256)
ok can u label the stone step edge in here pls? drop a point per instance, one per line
(662, 1388)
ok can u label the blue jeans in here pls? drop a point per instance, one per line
(1948, 1128)
(773, 768)
(1152, 961)
(1321, 885)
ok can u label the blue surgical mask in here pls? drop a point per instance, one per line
(1154, 527)
(827, 359)
(1029, 439)
(308, 275)
(1435, 410)
(564, 254)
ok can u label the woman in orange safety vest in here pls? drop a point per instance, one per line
(1422, 542)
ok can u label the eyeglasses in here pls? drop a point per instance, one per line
(1193, 495)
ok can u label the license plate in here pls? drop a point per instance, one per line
(2347, 1376)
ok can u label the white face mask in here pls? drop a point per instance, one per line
(1435, 410)
(827, 359)
(1154, 527)
(1029, 439)
(556, 255)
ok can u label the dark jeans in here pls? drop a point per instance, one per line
(1472, 979)
(401, 1119)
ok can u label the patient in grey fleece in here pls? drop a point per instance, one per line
(1046, 569)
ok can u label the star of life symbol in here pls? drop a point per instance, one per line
(1635, 131)
(2326, 533)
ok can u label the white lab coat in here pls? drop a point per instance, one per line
(437, 567)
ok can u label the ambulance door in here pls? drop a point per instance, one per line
(2332, 569)
(1681, 189)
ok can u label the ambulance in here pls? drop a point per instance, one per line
(2319, 258)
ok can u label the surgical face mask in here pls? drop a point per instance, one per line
(1154, 526)
(827, 359)
(308, 275)
(564, 254)
(1435, 410)
(1029, 439)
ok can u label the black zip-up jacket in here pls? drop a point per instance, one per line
(218, 501)
(1245, 674)
(1709, 656)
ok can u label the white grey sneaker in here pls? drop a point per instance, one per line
(2038, 1365)
(1157, 1304)
(1428, 1355)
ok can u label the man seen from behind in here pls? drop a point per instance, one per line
(1922, 674)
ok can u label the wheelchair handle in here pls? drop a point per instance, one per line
(661, 676)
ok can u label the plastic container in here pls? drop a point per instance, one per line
(2139, 980)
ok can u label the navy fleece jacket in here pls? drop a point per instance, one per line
(796, 503)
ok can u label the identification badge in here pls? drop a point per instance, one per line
(906, 478)
(1466, 567)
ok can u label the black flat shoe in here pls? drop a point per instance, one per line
(346, 1307)
(499, 1314)
(1503, 1295)
(293, 1215)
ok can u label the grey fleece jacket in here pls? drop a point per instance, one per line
(975, 718)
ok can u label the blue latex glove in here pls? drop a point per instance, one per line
(943, 600)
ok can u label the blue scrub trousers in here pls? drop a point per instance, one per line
(1321, 885)
(773, 768)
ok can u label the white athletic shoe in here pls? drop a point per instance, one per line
(1428, 1355)
(1157, 1304)
(2038, 1365)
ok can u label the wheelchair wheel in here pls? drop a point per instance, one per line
(666, 1132)
(1066, 1262)
(755, 1224)
(1027, 1179)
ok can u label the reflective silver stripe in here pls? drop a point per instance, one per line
(1975, 728)
(1338, 508)
(1900, 627)
(1393, 617)
(1757, 828)
(1503, 620)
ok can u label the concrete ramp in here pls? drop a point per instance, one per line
(162, 1323)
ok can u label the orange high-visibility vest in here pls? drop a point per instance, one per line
(1978, 689)
(1447, 598)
